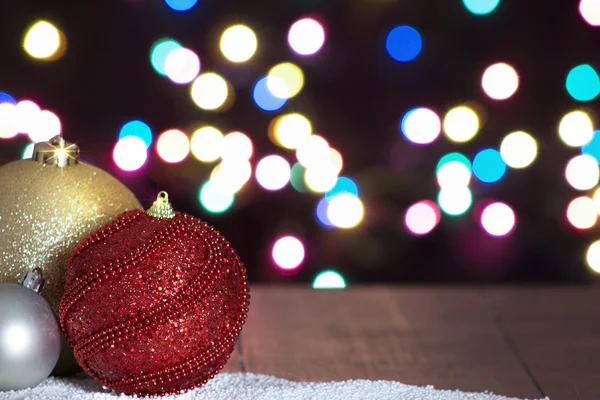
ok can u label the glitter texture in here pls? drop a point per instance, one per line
(45, 211)
(154, 305)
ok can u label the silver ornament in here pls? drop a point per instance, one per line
(30, 338)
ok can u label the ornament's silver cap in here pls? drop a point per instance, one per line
(57, 152)
(161, 208)
(34, 280)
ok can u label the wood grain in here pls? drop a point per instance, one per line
(424, 336)
(556, 331)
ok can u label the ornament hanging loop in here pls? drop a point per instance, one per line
(57, 151)
(161, 208)
(34, 280)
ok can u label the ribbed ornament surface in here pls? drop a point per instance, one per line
(154, 305)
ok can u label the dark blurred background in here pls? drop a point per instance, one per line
(355, 96)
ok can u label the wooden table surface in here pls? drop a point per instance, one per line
(527, 342)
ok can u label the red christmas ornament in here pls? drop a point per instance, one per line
(154, 302)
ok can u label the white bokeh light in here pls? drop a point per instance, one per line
(498, 219)
(173, 146)
(182, 66)
(313, 151)
(345, 211)
(237, 145)
(421, 126)
(582, 172)
(130, 153)
(500, 81)
(321, 178)
(209, 91)
(581, 213)
(42, 40)
(590, 11)
(288, 253)
(455, 200)
(273, 172)
(576, 129)
(518, 149)
(291, 130)
(454, 173)
(231, 174)
(421, 218)
(207, 144)
(306, 36)
(238, 43)
(8, 121)
(592, 256)
(45, 125)
(26, 115)
(461, 124)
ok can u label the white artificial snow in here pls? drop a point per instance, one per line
(251, 387)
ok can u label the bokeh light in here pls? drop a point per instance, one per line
(342, 185)
(518, 149)
(581, 213)
(206, 144)
(321, 213)
(500, 81)
(181, 5)
(26, 117)
(273, 172)
(313, 151)
(345, 211)
(453, 173)
(28, 151)
(160, 51)
(452, 157)
(139, 129)
(583, 83)
(336, 160)
(306, 36)
(238, 43)
(182, 66)
(214, 199)
(231, 174)
(130, 153)
(237, 145)
(582, 172)
(590, 12)
(297, 178)
(173, 146)
(285, 80)
(43, 126)
(488, 166)
(209, 91)
(328, 280)
(403, 43)
(321, 178)
(288, 253)
(498, 219)
(455, 200)
(592, 148)
(421, 125)
(8, 121)
(7, 98)
(481, 7)
(42, 40)
(422, 217)
(291, 129)
(576, 129)
(592, 255)
(264, 99)
(461, 124)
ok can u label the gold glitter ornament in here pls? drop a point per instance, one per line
(48, 204)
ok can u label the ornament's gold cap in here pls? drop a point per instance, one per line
(57, 152)
(161, 207)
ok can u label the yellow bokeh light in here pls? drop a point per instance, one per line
(209, 91)
(313, 151)
(238, 43)
(42, 40)
(207, 144)
(345, 211)
(582, 172)
(285, 80)
(336, 160)
(576, 129)
(173, 146)
(518, 149)
(592, 256)
(231, 175)
(321, 178)
(291, 130)
(461, 124)
(581, 213)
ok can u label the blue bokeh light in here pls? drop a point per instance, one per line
(321, 213)
(264, 99)
(7, 98)
(181, 5)
(583, 83)
(592, 148)
(488, 166)
(139, 129)
(403, 43)
(481, 7)
(342, 185)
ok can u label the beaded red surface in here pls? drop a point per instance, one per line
(154, 306)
